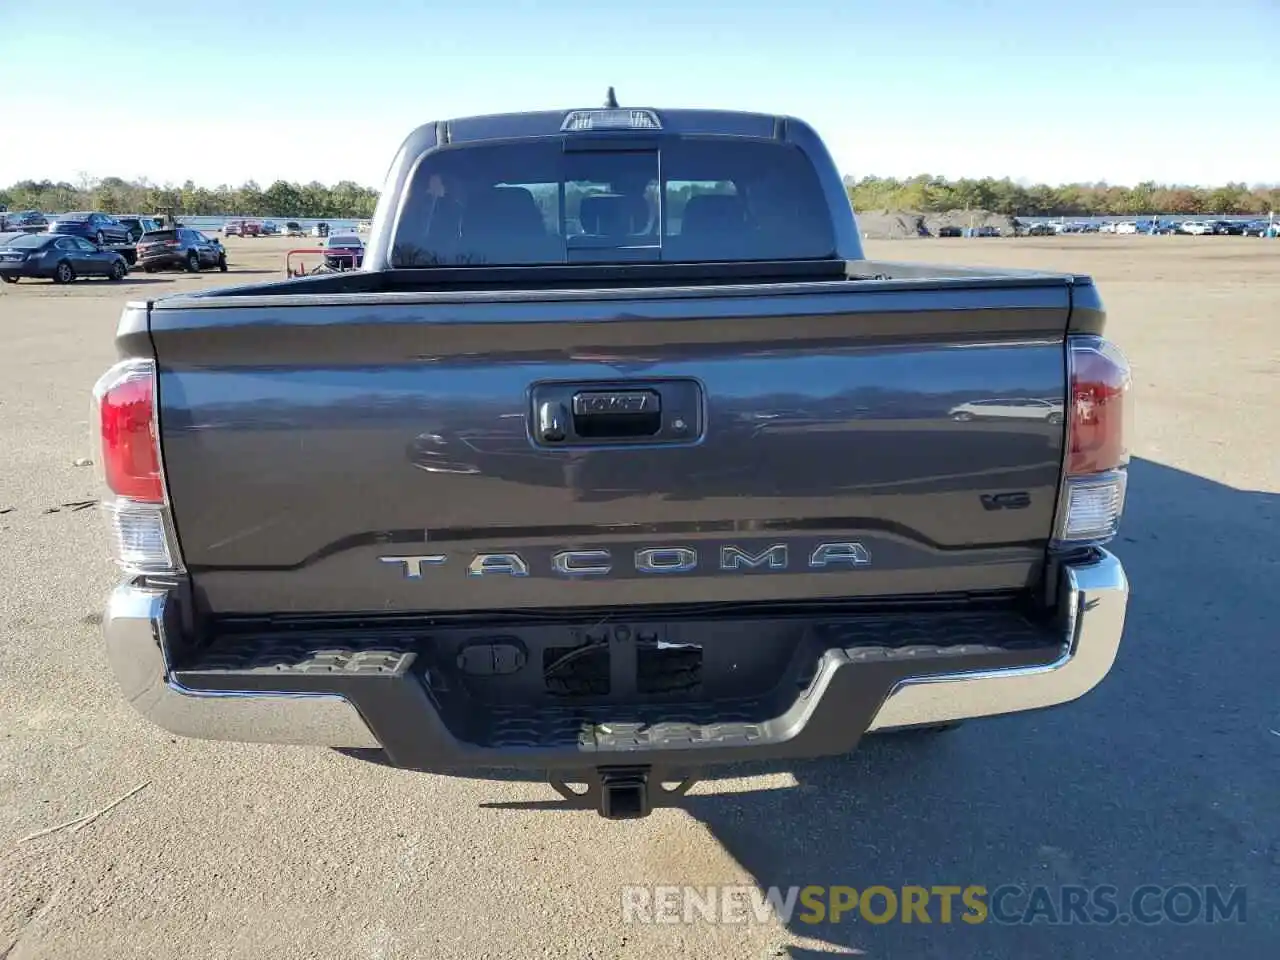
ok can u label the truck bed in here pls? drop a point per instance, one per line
(586, 280)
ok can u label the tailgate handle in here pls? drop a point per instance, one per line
(615, 414)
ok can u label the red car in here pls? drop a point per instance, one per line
(343, 252)
(242, 228)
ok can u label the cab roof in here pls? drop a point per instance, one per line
(547, 123)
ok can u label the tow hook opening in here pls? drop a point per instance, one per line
(623, 793)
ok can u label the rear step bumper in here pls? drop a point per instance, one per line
(373, 698)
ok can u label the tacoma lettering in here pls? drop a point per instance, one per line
(647, 560)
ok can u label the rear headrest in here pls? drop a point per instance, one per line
(504, 225)
(612, 215)
(503, 210)
(713, 213)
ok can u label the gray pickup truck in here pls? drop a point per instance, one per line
(615, 462)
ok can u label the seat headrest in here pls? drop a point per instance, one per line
(610, 214)
(713, 213)
(505, 210)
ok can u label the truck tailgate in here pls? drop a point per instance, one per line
(384, 453)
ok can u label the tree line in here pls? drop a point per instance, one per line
(344, 200)
(938, 195)
(348, 200)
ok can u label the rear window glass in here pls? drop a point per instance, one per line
(29, 241)
(689, 200)
(152, 235)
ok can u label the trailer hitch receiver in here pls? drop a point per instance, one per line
(622, 793)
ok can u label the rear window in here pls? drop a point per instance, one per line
(153, 236)
(29, 241)
(685, 200)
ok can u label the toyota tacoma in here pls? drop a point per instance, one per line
(615, 462)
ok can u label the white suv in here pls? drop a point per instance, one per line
(1050, 411)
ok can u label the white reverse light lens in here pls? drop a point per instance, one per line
(1094, 506)
(140, 537)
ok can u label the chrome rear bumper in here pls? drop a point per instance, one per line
(140, 620)
(1095, 596)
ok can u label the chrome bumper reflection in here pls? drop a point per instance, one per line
(1094, 598)
(139, 620)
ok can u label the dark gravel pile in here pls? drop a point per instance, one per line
(903, 224)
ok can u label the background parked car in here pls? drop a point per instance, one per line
(58, 257)
(293, 229)
(1198, 228)
(241, 228)
(138, 226)
(26, 221)
(343, 251)
(98, 227)
(183, 247)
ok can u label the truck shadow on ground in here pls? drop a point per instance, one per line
(1166, 774)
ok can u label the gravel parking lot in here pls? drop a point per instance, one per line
(1168, 774)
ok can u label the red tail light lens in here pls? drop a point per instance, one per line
(1097, 454)
(143, 540)
(1099, 397)
(130, 447)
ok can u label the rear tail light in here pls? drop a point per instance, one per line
(1097, 456)
(127, 436)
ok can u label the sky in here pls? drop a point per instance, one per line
(224, 92)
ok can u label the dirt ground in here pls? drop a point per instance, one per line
(1168, 774)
